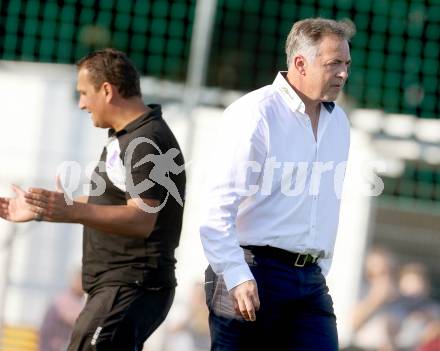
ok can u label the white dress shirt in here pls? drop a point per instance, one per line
(272, 183)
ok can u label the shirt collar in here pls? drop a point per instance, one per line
(155, 112)
(290, 96)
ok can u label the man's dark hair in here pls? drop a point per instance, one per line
(112, 66)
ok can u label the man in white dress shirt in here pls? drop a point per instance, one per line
(273, 201)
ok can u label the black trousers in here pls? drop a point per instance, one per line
(296, 312)
(120, 318)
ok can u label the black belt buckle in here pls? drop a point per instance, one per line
(301, 262)
(303, 259)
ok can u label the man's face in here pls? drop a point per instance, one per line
(90, 99)
(327, 74)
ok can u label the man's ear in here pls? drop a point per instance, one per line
(300, 63)
(109, 91)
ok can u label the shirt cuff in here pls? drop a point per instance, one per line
(237, 275)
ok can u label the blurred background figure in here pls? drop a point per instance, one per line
(191, 333)
(419, 325)
(375, 315)
(61, 315)
(431, 338)
(396, 312)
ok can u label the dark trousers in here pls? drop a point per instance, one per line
(296, 310)
(120, 318)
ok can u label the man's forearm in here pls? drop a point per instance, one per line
(83, 199)
(122, 220)
(364, 310)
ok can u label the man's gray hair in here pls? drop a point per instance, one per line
(305, 35)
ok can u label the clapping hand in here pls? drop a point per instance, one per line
(52, 206)
(15, 209)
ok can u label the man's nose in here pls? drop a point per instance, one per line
(343, 73)
(81, 104)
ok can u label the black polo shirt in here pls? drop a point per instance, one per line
(110, 259)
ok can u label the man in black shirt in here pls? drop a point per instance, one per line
(132, 218)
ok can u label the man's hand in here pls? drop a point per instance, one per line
(16, 209)
(382, 290)
(245, 299)
(50, 206)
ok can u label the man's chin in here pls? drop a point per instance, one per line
(330, 98)
(95, 124)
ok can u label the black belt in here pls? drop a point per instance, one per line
(290, 258)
